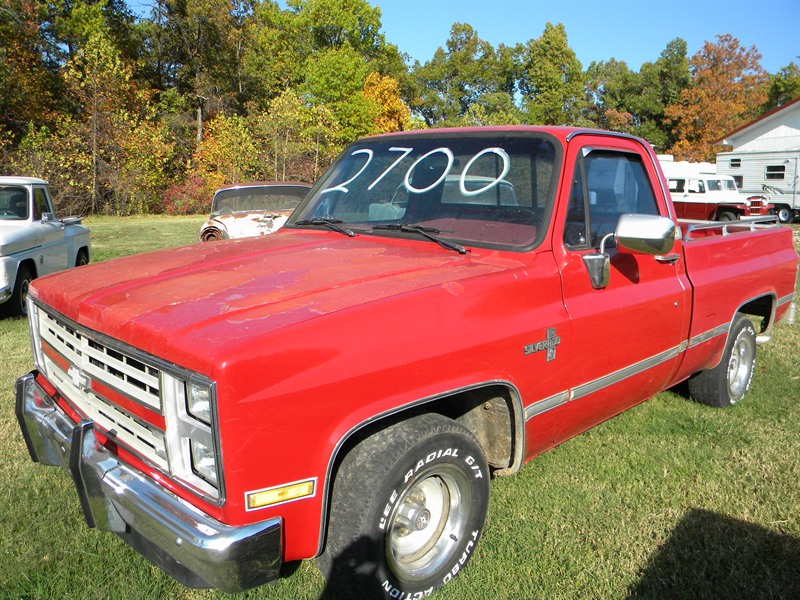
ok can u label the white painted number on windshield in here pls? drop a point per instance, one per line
(407, 180)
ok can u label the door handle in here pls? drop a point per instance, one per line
(670, 259)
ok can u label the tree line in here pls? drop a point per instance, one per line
(128, 114)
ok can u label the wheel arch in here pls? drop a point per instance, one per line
(30, 263)
(82, 250)
(763, 306)
(491, 411)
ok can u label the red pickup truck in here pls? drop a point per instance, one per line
(442, 307)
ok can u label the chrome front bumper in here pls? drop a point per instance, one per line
(189, 545)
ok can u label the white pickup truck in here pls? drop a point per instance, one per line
(33, 242)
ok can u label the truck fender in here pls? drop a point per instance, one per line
(444, 403)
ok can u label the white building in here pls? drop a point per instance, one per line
(765, 156)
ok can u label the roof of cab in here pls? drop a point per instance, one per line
(21, 181)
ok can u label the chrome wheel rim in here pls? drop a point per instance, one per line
(739, 367)
(427, 524)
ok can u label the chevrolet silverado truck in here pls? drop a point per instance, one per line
(442, 307)
(33, 242)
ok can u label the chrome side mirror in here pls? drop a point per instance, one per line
(634, 234)
(644, 234)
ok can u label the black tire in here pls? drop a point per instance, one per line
(210, 235)
(17, 304)
(82, 258)
(784, 214)
(728, 382)
(726, 215)
(409, 504)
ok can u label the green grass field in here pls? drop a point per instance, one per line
(669, 500)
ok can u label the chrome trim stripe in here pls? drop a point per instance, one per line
(608, 380)
(542, 406)
(707, 335)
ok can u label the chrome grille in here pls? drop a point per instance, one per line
(89, 358)
(117, 370)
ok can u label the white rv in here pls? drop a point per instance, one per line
(771, 174)
(764, 158)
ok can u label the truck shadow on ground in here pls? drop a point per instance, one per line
(710, 556)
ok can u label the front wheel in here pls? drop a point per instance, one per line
(408, 507)
(728, 382)
(784, 214)
(82, 258)
(726, 215)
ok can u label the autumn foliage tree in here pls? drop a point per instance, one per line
(728, 88)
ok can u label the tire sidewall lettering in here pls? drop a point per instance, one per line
(406, 477)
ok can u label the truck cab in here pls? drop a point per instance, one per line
(33, 242)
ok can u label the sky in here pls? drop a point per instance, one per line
(633, 31)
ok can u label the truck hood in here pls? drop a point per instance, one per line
(15, 236)
(191, 299)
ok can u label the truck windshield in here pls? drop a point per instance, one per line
(484, 189)
(267, 198)
(13, 203)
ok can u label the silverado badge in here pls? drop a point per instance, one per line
(549, 343)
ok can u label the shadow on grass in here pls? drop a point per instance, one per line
(710, 555)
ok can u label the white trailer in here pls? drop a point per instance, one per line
(772, 174)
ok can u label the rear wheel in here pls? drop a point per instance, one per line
(729, 381)
(17, 304)
(408, 507)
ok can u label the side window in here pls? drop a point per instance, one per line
(677, 185)
(606, 184)
(40, 203)
(696, 186)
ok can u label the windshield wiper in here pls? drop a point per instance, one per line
(329, 223)
(426, 232)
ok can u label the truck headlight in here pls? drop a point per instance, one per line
(198, 401)
(191, 432)
(204, 461)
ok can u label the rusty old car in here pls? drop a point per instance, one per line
(251, 209)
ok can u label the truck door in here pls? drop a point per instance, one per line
(627, 337)
(50, 234)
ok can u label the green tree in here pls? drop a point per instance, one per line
(276, 50)
(335, 78)
(332, 24)
(551, 82)
(467, 73)
(99, 81)
(783, 87)
(631, 102)
(200, 37)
